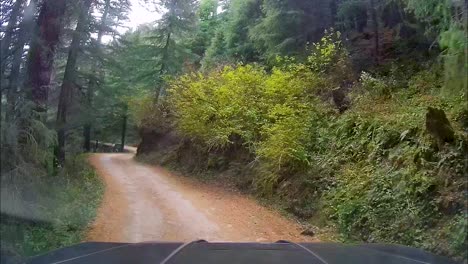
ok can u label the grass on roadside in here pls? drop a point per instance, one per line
(58, 209)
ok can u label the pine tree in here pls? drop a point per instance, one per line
(6, 41)
(92, 85)
(288, 26)
(200, 40)
(175, 23)
(69, 78)
(23, 37)
(46, 35)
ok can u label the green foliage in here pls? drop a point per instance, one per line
(149, 114)
(326, 53)
(352, 14)
(391, 185)
(213, 108)
(330, 59)
(426, 81)
(286, 135)
(454, 41)
(266, 112)
(392, 189)
(373, 205)
(373, 173)
(447, 20)
(435, 12)
(375, 86)
(57, 213)
(243, 15)
(26, 143)
(287, 26)
(231, 41)
(206, 29)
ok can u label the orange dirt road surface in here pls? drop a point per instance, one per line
(144, 203)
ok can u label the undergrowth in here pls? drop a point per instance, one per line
(50, 211)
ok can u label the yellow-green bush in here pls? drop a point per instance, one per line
(266, 111)
(220, 105)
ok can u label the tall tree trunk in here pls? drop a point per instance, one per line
(161, 91)
(41, 54)
(5, 44)
(14, 78)
(6, 40)
(92, 80)
(87, 137)
(375, 28)
(69, 78)
(124, 130)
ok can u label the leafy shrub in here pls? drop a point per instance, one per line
(221, 105)
(265, 111)
(327, 53)
(331, 60)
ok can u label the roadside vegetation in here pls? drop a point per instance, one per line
(373, 173)
(49, 194)
(47, 212)
(362, 133)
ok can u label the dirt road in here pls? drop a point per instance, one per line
(145, 203)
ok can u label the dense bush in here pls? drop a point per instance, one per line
(247, 104)
(219, 106)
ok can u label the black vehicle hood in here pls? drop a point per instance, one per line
(226, 253)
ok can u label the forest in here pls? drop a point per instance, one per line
(348, 115)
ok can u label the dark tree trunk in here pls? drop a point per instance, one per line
(42, 51)
(14, 78)
(92, 80)
(96, 145)
(124, 131)
(68, 83)
(87, 137)
(375, 28)
(161, 91)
